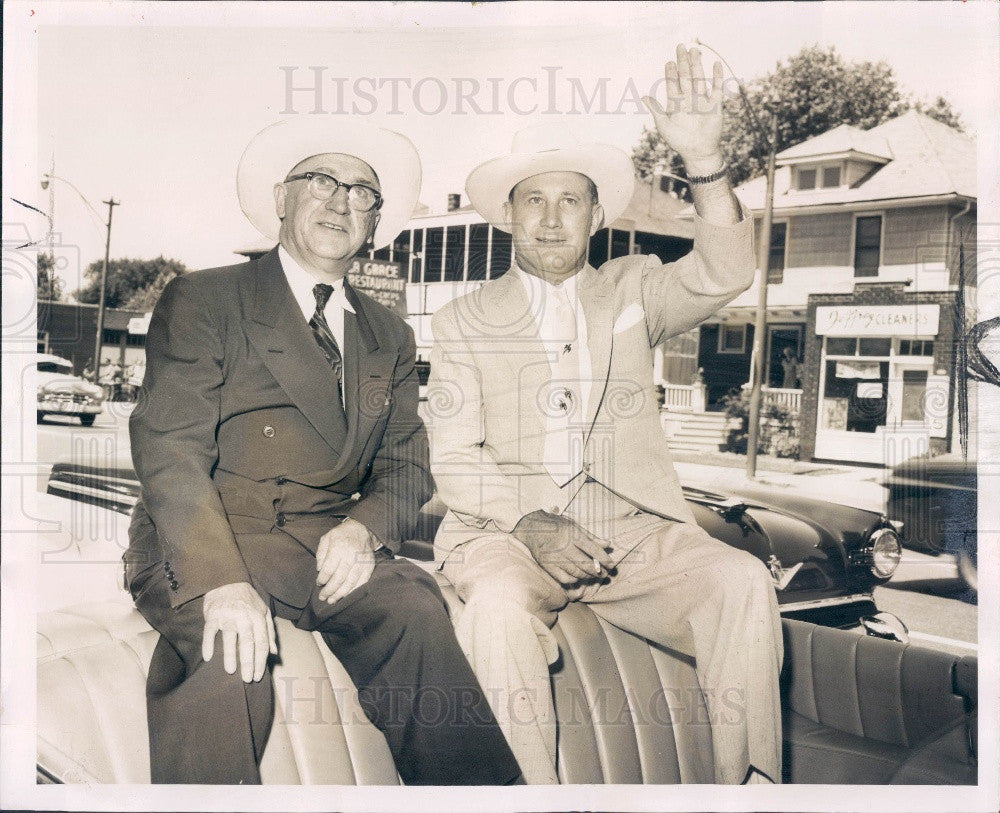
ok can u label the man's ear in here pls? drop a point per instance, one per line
(596, 219)
(375, 220)
(508, 216)
(279, 200)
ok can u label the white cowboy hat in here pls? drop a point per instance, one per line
(272, 153)
(551, 148)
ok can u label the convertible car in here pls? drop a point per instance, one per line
(857, 709)
(824, 559)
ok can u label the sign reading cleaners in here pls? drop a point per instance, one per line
(383, 281)
(877, 320)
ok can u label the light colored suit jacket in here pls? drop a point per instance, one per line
(489, 369)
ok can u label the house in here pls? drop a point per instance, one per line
(872, 254)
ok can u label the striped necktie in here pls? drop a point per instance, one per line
(324, 336)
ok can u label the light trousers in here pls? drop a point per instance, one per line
(674, 585)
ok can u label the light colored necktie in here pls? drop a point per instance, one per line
(562, 401)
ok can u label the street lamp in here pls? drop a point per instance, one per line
(102, 288)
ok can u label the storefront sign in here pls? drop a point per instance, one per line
(858, 369)
(877, 320)
(382, 281)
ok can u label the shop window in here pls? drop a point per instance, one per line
(914, 395)
(855, 395)
(501, 254)
(916, 347)
(841, 346)
(874, 347)
(382, 254)
(598, 254)
(619, 243)
(732, 339)
(831, 177)
(867, 246)
(776, 254)
(43, 341)
(807, 179)
(433, 250)
(418, 256)
(478, 243)
(454, 265)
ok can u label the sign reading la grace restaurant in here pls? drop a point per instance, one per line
(382, 281)
(877, 320)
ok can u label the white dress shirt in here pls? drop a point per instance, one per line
(302, 282)
(562, 328)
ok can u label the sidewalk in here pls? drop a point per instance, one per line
(858, 486)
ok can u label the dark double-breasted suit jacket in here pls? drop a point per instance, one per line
(244, 455)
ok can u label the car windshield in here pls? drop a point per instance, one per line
(53, 367)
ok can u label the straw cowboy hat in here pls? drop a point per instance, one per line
(273, 152)
(551, 148)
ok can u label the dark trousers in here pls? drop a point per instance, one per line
(393, 637)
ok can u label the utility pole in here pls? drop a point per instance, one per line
(99, 339)
(760, 322)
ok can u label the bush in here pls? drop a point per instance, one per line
(779, 427)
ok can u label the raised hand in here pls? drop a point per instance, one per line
(562, 548)
(691, 124)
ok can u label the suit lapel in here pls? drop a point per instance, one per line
(598, 308)
(368, 374)
(288, 349)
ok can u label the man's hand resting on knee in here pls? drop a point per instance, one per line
(563, 549)
(239, 613)
(345, 559)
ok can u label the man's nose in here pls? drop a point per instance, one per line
(550, 218)
(338, 201)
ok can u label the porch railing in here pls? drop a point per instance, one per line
(684, 397)
(788, 398)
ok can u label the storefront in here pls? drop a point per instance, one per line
(880, 389)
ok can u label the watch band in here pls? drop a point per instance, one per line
(718, 175)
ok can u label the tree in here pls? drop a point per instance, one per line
(133, 284)
(49, 285)
(811, 92)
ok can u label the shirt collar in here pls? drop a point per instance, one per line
(538, 288)
(301, 282)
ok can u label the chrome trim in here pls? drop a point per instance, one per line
(815, 603)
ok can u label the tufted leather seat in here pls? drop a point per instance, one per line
(629, 713)
(857, 710)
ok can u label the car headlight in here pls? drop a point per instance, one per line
(883, 552)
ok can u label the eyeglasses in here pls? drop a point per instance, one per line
(360, 198)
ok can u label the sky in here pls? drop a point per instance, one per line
(154, 104)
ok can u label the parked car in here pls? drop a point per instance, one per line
(825, 559)
(62, 393)
(935, 500)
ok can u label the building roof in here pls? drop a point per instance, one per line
(928, 159)
(838, 141)
(655, 212)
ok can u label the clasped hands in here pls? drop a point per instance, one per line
(345, 560)
(563, 549)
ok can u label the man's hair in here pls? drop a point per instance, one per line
(590, 183)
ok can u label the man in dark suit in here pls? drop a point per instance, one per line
(282, 462)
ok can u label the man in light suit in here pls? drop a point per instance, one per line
(547, 449)
(282, 462)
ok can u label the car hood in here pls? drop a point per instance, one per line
(60, 382)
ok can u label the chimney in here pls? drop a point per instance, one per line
(454, 201)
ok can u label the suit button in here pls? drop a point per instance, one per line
(279, 520)
(173, 584)
(280, 481)
(166, 567)
(268, 431)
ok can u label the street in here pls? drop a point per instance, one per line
(926, 592)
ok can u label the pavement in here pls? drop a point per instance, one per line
(857, 486)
